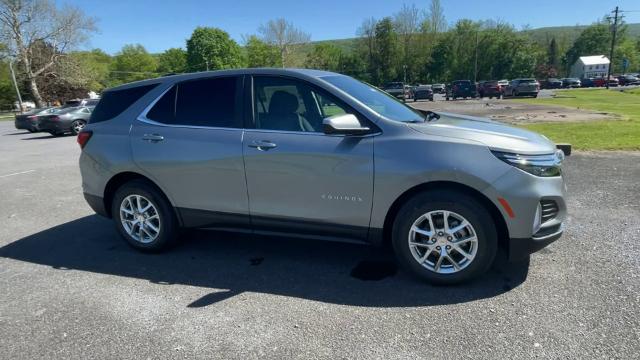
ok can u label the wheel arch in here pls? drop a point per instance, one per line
(494, 212)
(122, 178)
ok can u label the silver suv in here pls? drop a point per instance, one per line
(319, 155)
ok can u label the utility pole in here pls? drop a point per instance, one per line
(613, 44)
(475, 65)
(405, 73)
(15, 84)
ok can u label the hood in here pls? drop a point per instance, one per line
(495, 135)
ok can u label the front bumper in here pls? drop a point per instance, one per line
(521, 248)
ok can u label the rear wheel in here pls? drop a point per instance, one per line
(143, 216)
(77, 126)
(445, 237)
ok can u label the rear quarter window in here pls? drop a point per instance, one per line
(114, 102)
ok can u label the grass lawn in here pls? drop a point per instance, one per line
(595, 135)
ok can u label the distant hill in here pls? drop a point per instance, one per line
(566, 34)
(570, 33)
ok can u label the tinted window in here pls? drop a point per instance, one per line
(114, 102)
(164, 110)
(207, 102)
(375, 99)
(291, 105)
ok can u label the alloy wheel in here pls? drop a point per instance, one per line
(140, 218)
(443, 241)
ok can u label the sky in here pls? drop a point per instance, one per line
(162, 24)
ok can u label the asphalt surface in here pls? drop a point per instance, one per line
(71, 288)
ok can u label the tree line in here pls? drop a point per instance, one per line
(413, 45)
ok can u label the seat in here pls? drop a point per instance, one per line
(283, 114)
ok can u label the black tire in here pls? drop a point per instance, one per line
(466, 206)
(74, 126)
(169, 228)
(32, 130)
(414, 99)
(53, 133)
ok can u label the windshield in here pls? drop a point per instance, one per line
(394, 86)
(377, 100)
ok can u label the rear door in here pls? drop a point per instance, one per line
(299, 179)
(190, 143)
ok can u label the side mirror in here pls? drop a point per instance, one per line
(345, 124)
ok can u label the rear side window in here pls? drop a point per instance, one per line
(114, 102)
(211, 102)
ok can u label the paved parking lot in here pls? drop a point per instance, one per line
(71, 288)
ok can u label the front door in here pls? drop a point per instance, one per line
(300, 180)
(190, 144)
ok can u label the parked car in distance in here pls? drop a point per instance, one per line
(66, 120)
(523, 87)
(462, 89)
(552, 83)
(423, 92)
(490, 89)
(81, 102)
(438, 88)
(587, 82)
(397, 90)
(627, 80)
(571, 83)
(291, 152)
(30, 120)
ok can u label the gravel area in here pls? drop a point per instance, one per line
(71, 288)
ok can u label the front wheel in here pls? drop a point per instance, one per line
(445, 237)
(144, 217)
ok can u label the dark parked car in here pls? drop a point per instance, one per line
(30, 120)
(523, 87)
(626, 80)
(462, 89)
(587, 82)
(68, 120)
(552, 83)
(490, 89)
(423, 92)
(80, 102)
(571, 83)
(398, 90)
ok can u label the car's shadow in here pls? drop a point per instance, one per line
(230, 264)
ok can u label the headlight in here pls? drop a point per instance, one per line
(539, 165)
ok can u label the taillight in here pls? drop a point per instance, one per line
(83, 137)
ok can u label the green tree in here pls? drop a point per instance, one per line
(261, 54)
(386, 53)
(172, 60)
(94, 65)
(7, 91)
(132, 63)
(324, 56)
(594, 40)
(212, 49)
(627, 49)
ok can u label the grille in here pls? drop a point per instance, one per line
(549, 210)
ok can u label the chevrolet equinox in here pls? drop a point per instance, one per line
(319, 155)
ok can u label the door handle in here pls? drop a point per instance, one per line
(152, 137)
(262, 145)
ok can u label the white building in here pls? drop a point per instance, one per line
(590, 67)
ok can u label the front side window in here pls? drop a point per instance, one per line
(292, 105)
(375, 99)
(209, 102)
